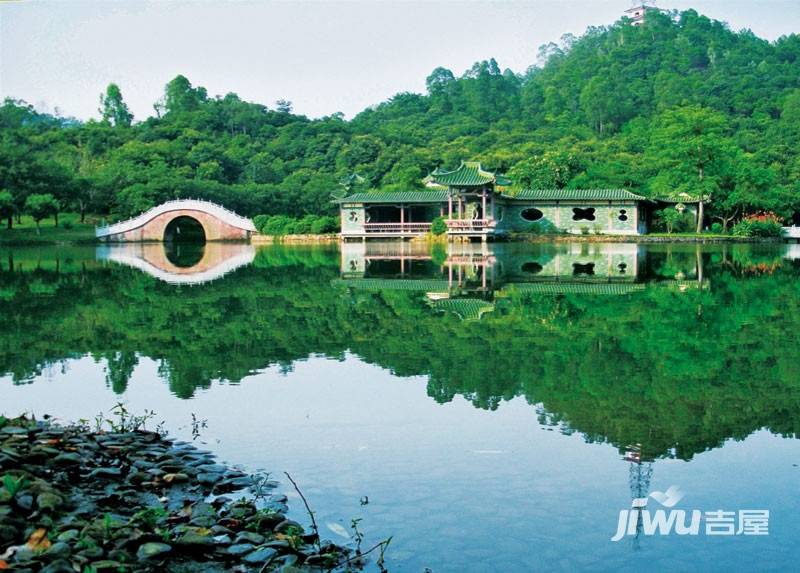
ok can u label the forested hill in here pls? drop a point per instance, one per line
(680, 104)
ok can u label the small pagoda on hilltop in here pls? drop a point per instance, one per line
(477, 203)
(638, 11)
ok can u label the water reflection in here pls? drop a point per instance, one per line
(662, 352)
(468, 278)
(624, 343)
(180, 263)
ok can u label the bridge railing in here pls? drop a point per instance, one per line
(791, 232)
(218, 211)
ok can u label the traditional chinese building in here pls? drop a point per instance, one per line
(476, 203)
(638, 11)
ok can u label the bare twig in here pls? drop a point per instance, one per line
(380, 544)
(308, 509)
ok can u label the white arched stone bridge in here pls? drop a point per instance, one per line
(219, 223)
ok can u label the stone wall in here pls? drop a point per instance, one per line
(352, 218)
(617, 218)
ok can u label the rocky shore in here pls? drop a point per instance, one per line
(74, 499)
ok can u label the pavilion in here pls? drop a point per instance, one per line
(477, 203)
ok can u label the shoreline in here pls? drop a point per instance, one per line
(328, 239)
(128, 499)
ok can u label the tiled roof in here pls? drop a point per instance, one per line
(573, 195)
(563, 287)
(464, 308)
(503, 181)
(679, 198)
(434, 196)
(468, 174)
(425, 285)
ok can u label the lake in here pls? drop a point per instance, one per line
(498, 406)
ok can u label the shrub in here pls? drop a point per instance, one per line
(68, 225)
(671, 219)
(277, 225)
(545, 227)
(259, 221)
(438, 226)
(303, 226)
(325, 225)
(743, 228)
(716, 228)
(764, 224)
(284, 225)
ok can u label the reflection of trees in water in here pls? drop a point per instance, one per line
(695, 368)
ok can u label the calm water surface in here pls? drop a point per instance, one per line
(498, 406)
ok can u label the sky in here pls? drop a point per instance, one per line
(325, 56)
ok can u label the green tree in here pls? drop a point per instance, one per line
(7, 207)
(113, 109)
(180, 96)
(670, 216)
(690, 146)
(40, 206)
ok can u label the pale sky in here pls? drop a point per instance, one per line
(324, 56)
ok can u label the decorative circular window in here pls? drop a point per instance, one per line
(531, 214)
(623, 215)
(531, 267)
(586, 214)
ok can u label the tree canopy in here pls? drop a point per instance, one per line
(680, 104)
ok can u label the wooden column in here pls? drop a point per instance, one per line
(483, 205)
(449, 205)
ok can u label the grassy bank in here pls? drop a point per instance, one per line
(69, 230)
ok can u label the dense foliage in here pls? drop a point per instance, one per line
(681, 104)
(284, 225)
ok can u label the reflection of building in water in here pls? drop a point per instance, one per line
(640, 473)
(467, 278)
(180, 264)
(792, 252)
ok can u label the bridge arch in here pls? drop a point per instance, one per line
(184, 229)
(218, 223)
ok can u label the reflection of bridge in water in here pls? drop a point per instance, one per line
(180, 263)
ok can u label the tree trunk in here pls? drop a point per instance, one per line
(38, 231)
(700, 217)
(55, 216)
(83, 212)
(11, 221)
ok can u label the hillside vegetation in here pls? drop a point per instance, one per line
(679, 105)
